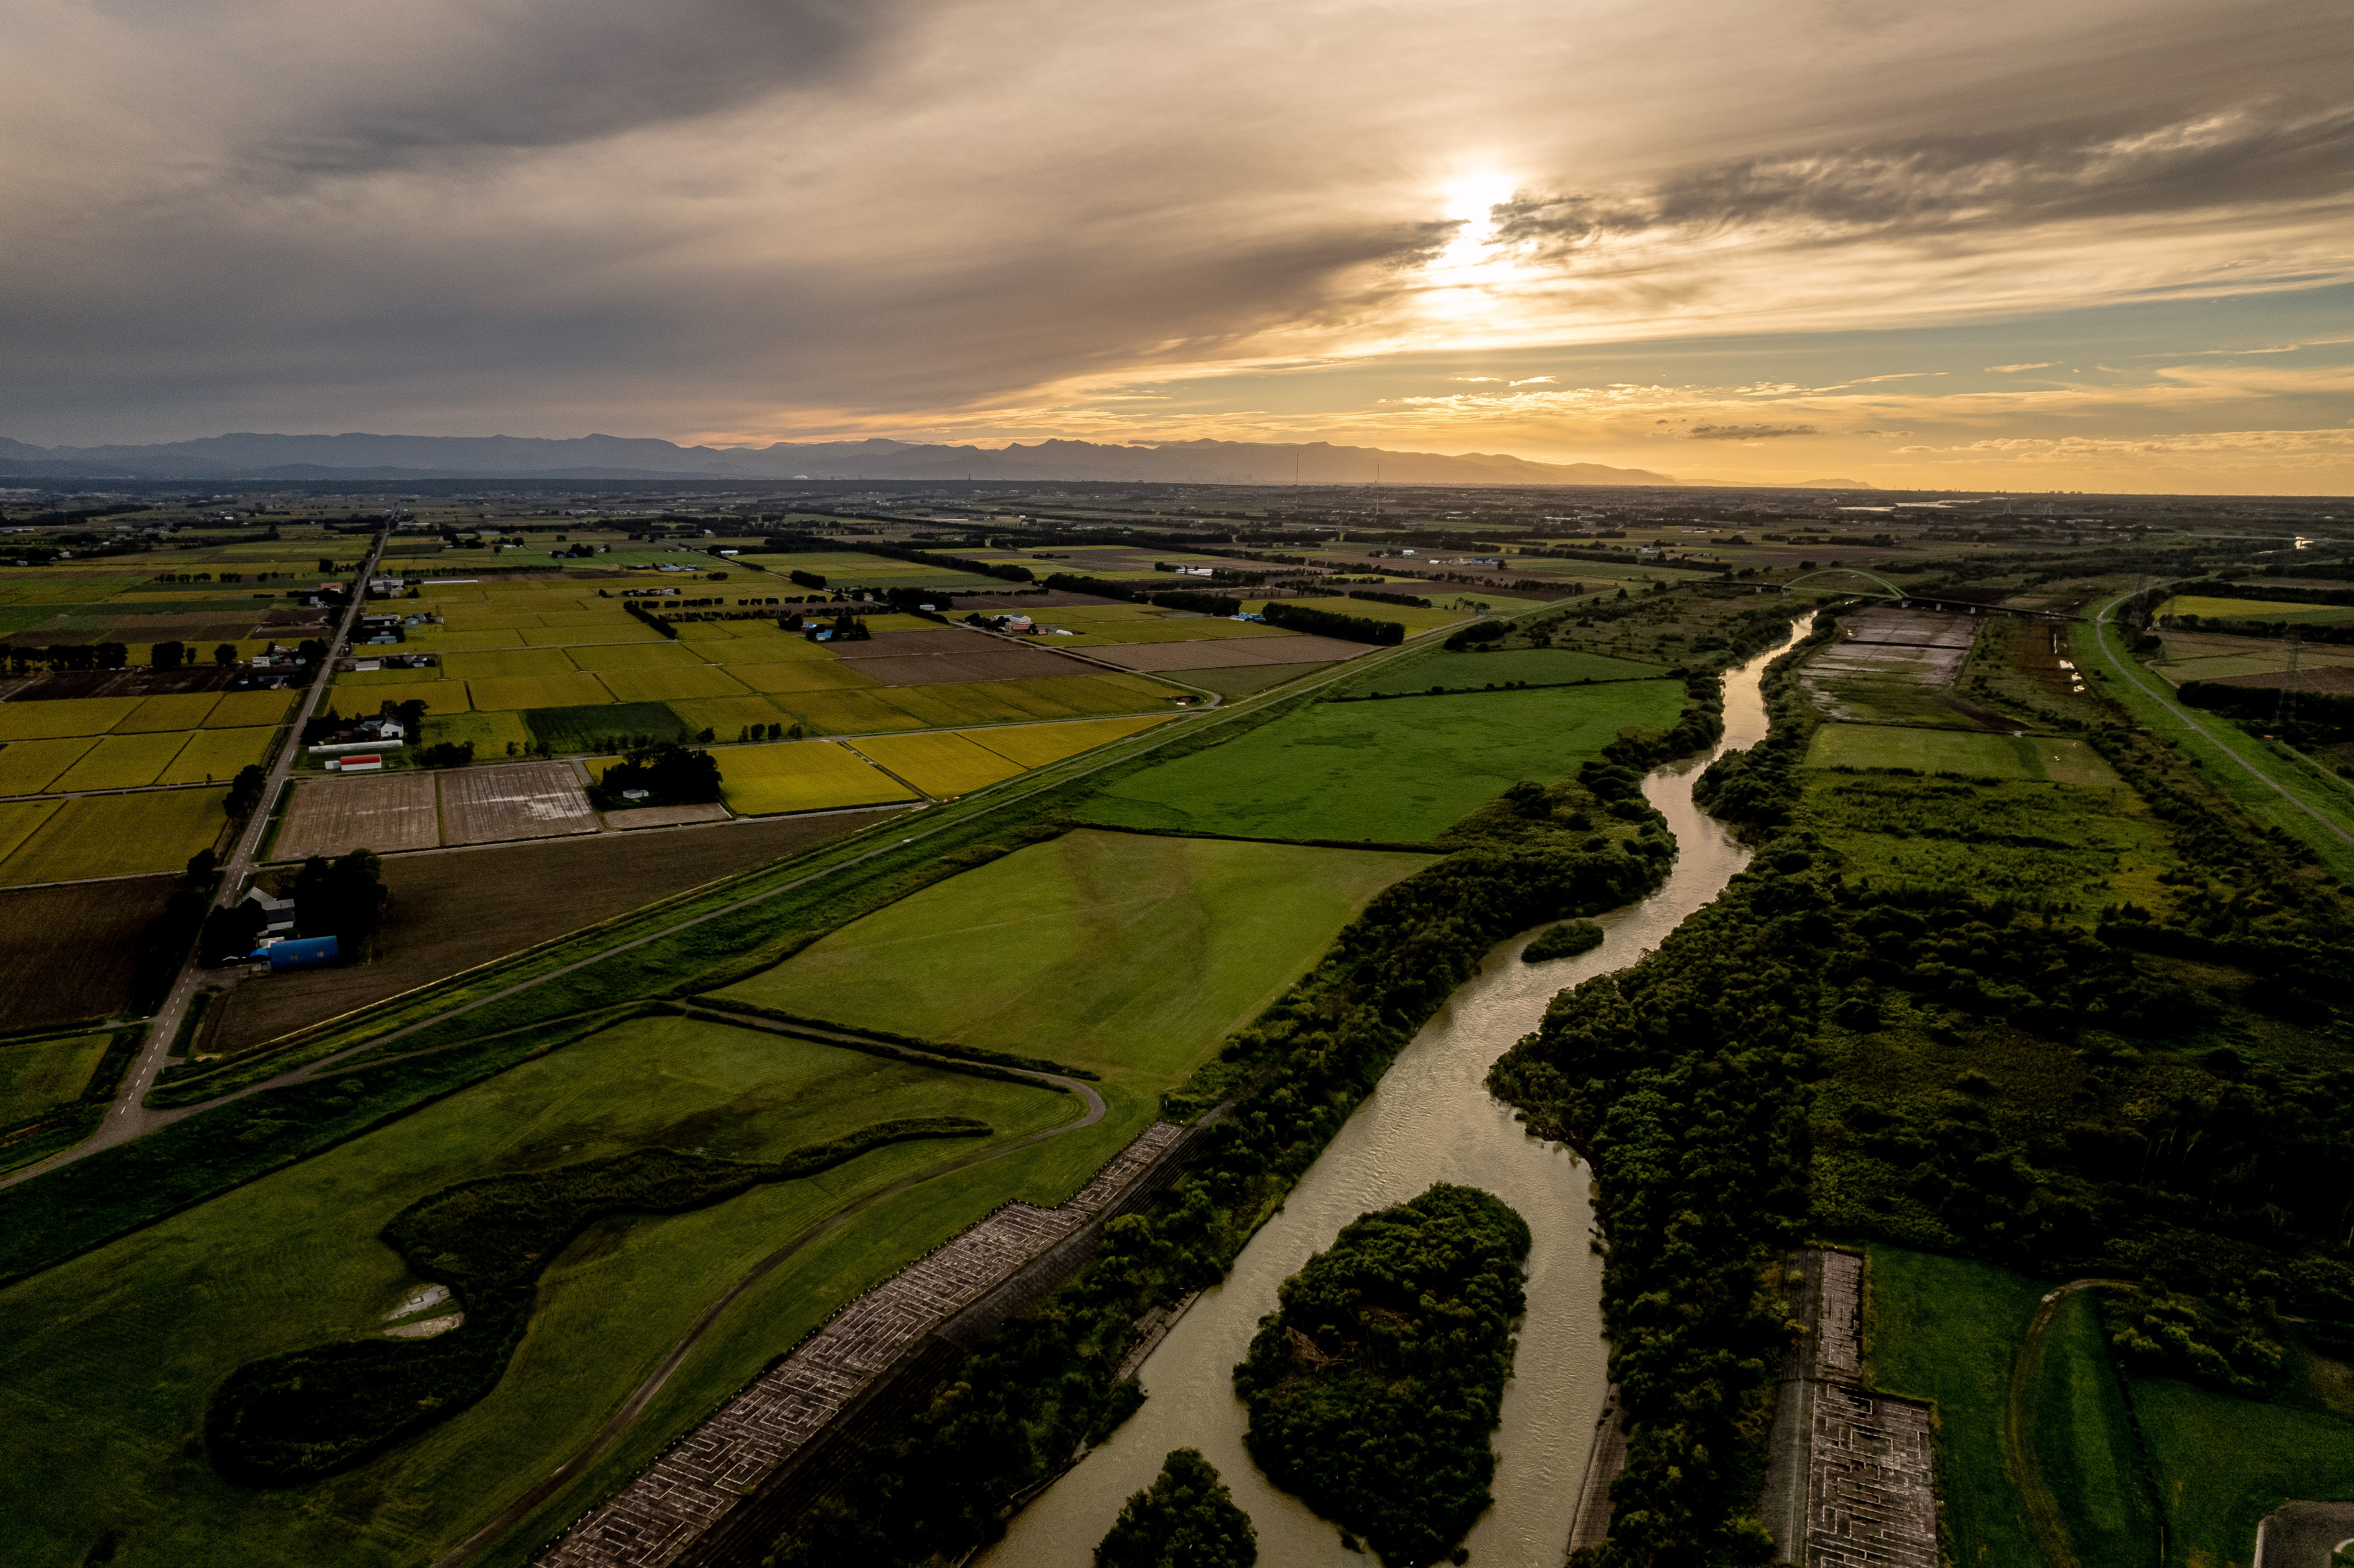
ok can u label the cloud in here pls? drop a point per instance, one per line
(2249, 155)
(1746, 432)
(2015, 369)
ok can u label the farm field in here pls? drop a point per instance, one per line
(1036, 745)
(1400, 771)
(29, 767)
(1471, 670)
(576, 729)
(514, 801)
(801, 776)
(384, 813)
(1226, 654)
(453, 911)
(119, 762)
(38, 1075)
(941, 763)
(2055, 758)
(1238, 680)
(2206, 656)
(212, 754)
(292, 1260)
(72, 953)
(118, 835)
(2255, 609)
(1133, 955)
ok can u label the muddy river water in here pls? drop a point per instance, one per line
(1431, 1119)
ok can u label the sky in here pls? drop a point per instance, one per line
(1986, 244)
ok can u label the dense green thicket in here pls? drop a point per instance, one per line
(1327, 623)
(1374, 1385)
(1563, 941)
(670, 774)
(1682, 1082)
(1186, 1519)
(2161, 1096)
(294, 1418)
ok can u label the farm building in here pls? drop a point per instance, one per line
(303, 953)
(277, 914)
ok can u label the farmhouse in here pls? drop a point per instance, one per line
(277, 914)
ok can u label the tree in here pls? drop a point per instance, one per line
(225, 654)
(342, 898)
(230, 934)
(1186, 1519)
(245, 791)
(203, 868)
(167, 655)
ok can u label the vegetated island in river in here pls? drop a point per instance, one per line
(1374, 1388)
(1186, 1519)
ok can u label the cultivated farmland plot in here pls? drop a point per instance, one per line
(514, 801)
(335, 816)
(1228, 653)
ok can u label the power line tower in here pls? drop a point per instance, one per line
(2285, 709)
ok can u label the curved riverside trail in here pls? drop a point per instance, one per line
(1431, 1119)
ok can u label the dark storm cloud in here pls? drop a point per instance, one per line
(429, 80)
(1746, 432)
(2252, 156)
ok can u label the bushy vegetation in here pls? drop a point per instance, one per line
(293, 1418)
(1186, 1519)
(1327, 623)
(670, 774)
(1373, 1387)
(1682, 1081)
(1563, 941)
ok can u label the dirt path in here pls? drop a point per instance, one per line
(632, 1407)
(2043, 1509)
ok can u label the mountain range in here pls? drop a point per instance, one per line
(398, 458)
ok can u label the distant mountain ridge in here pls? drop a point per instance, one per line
(359, 456)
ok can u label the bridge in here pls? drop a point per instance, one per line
(1906, 597)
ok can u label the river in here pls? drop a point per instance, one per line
(1431, 1119)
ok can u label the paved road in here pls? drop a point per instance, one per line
(2133, 672)
(128, 1117)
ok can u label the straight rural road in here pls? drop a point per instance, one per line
(2124, 666)
(129, 1116)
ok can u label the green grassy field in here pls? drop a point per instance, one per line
(1131, 955)
(2257, 610)
(1397, 771)
(37, 1075)
(572, 729)
(2080, 1438)
(2224, 1463)
(1942, 1329)
(108, 1359)
(1470, 671)
(2050, 758)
